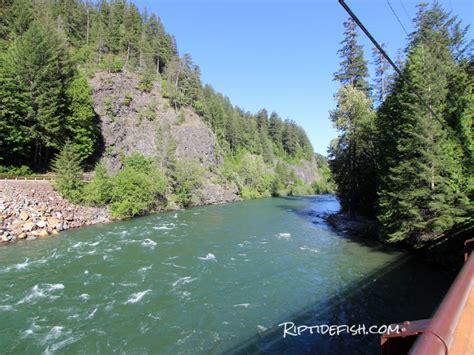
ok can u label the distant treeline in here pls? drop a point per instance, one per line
(394, 159)
(49, 47)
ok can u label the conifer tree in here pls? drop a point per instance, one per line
(423, 186)
(353, 69)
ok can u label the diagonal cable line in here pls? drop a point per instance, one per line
(396, 16)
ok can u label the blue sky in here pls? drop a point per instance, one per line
(281, 54)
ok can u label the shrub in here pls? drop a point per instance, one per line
(146, 83)
(127, 99)
(181, 118)
(68, 180)
(199, 107)
(115, 65)
(301, 189)
(97, 192)
(135, 190)
(248, 193)
(15, 170)
(149, 112)
(187, 177)
(109, 108)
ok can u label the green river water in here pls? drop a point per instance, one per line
(216, 279)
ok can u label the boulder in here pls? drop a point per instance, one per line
(41, 224)
(24, 216)
(22, 236)
(40, 233)
(29, 226)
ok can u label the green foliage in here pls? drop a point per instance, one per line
(137, 188)
(149, 111)
(114, 64)
(187, 181)
(146, 83)
(414, 168)
(46, 101)
(109, 107)
(37, 72)
(98, 191)
(181, 118)
(15, 170)
(68, 179)
(353, 69)
(127, 99)
(352, 154)
(82, 129)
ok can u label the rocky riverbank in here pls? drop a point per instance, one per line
(32, 209)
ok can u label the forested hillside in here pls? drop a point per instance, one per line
(404, 161)
(50, 53)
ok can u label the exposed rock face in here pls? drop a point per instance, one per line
(194, 140)
(214, 194)
(307, 171)
(135, 121)
(32, 209)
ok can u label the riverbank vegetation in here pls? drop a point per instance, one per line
(48, 51)
(396, 160)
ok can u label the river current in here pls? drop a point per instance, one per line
(216, 279)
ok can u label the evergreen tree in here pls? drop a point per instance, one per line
(80, 124)
(424, 189)
(43, 70)
(67, 167)
(381, 85)
(352, 155)
(353, 69)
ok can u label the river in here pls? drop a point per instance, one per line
(215, 279)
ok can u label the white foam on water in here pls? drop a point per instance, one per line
(172, 257)
(145, 268)
(41, 291)
(244, 305)
(184, 295)
(284, 235)
(149, 243)
(84, 297)
(165, 226)
(183, 281)
(86, 272)
(127, 284)
(261, 328)
(209, 256)
(309, 249)
(57, 346)
(174, 265)
(111, 250)
(153, 316)
(91, 315)
(6, 308)
(77, 245)
(54, 333)
(26, 333)
(27, 262)
(136, 297)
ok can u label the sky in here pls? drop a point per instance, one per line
(281, 54)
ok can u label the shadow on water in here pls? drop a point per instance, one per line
(406, 289)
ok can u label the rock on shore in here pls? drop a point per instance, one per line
(32, 209)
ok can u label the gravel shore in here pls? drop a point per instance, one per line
(33, 209)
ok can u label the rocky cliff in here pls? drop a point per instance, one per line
(132, 121)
